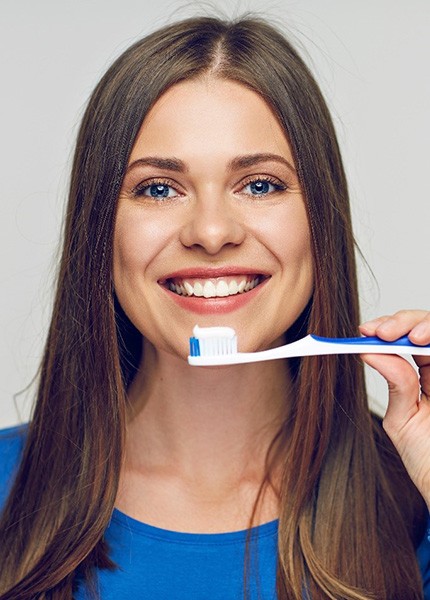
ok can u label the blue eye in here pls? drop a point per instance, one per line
(261, 187)
(156, 190)
(159, 190)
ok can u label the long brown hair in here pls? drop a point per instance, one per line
(342, 531)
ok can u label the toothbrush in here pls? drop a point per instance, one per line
(211, 346)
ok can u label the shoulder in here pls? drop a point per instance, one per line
(12, 442)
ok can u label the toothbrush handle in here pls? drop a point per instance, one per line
(369, 341)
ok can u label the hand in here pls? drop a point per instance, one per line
(407, 420)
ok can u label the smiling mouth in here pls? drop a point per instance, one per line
(214, 287)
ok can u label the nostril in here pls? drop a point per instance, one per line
(212, 226)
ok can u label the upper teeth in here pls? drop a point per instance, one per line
(212, 288)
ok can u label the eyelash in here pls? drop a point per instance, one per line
(141, 188)
(278, 185)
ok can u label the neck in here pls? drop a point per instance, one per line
(205, 423)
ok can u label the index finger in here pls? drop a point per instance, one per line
(414, 323)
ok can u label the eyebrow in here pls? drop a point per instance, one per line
(249, 160)
(169, 164)
(240, 162)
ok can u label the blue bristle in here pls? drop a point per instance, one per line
(194, 347)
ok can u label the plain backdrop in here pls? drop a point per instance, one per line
(371, 60)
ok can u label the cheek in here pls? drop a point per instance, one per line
(297, 266)
(138, 240)
(126, 252)
(294, 244)
(286, 233)
(291, 245)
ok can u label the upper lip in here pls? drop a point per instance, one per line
(211, 272)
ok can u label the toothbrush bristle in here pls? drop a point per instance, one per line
(194, 347)
(213, 341)
(216, 346)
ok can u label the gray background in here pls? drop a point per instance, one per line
(371, 59)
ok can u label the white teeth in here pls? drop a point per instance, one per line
(198, 289)
(209, 290)
(214, 288)
(188, 288)
(232, 288)
(222, 289)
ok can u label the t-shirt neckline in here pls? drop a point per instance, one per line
(135, 526)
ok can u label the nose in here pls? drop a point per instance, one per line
(212, 224)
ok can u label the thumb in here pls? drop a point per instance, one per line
(403, 389)
(407, 420)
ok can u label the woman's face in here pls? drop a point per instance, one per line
(211, 227)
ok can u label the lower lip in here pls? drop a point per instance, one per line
(207, 306)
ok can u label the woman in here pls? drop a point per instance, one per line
(207, 187)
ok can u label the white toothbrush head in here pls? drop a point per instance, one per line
(212, 341)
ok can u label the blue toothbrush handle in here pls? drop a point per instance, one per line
(369, 341)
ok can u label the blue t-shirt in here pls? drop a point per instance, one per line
(158, 564)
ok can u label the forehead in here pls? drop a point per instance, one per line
(208, 115)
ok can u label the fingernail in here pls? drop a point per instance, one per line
(420, 330)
